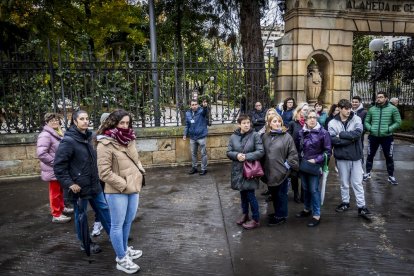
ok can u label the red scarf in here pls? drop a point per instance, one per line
(301, 121)
(122, 135)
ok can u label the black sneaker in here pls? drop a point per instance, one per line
(203, 172)
(276, 221)
(342, 207)
(272, 215)
(303, 214)
(314, 222)
(364, 213)
(192, 171)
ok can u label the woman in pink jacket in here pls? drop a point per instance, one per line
(47, 145)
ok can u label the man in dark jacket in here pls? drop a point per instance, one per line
(359, 110)
(258, 116)
(196, 128)
(381, 121)
(346, 130)
(76, 169)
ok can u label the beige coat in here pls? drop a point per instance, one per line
(116, 169)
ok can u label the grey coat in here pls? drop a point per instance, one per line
(254, 151)
(280, 157)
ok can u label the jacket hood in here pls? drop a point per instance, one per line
(74, 133)
(238, 132)
(338, 117)
(316, 128)
(52, 132)
(361, 106)
(278, 132)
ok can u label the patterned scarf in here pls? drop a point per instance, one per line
(302, 121)
(122, 135)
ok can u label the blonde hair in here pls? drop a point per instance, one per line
(298, 109)
(267, 116)
(270, 119)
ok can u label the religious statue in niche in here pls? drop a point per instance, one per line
(314, 80)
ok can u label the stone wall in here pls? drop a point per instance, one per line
(157, 147)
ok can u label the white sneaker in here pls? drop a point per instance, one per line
(68, 210)
(133, 254)
(126, 265)
(61, 219)
(97, 227)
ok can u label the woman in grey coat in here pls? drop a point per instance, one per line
(280, 157)
(245, 145)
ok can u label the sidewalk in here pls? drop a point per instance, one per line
(186, 226)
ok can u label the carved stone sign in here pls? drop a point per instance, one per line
(407, 6)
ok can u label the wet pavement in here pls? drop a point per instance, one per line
(186, 226)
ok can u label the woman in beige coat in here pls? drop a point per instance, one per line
(121, 170)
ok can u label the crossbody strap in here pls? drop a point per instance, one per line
(248, 140)
(134, 163)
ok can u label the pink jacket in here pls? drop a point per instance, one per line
(47, 145)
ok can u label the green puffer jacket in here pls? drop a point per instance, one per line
(382, 120)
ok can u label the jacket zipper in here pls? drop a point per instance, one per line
(379, 125)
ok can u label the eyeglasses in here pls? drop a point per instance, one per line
(289, 102)
(312, 117)
(54, 120)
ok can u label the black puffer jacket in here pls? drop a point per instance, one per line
(75, 163)
(254, 151)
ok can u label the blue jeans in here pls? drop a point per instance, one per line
(194, 150)
(310, 184)
(280, 199)
(249, 197)
(101, 209)
(123, 209)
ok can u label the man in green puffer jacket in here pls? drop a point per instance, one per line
(381, 121)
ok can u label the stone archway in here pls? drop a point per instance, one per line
(324, 30)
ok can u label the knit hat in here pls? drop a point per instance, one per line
(104, 116)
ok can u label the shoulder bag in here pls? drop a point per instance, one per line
(252, 169)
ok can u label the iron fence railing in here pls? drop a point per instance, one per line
(403, 91)
(66, 82)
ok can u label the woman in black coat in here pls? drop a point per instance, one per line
(245, 145)
(76, 169)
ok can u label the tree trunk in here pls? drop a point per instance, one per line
(253, 54)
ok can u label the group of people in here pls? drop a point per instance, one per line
(293, 142)
(103, 169)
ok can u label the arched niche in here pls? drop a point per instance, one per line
(325, 63)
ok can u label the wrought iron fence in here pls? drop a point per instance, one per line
(403, 91)
(66, 82)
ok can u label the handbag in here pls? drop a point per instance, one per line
(252, 169)
(309, 168)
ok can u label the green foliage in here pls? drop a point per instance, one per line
(98, 25)
(406, 126)
(396, 65)
(361, 55)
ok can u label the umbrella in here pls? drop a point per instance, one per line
(325, 172)
(83, 228)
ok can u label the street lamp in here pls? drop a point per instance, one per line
(375, 46)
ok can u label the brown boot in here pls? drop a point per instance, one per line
(243, 219)
(251, 224)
